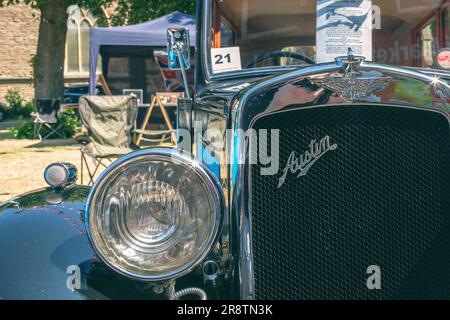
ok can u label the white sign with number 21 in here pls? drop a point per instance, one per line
(226, 59)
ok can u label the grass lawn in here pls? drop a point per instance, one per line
(22, 162)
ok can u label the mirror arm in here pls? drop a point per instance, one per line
(183, 73)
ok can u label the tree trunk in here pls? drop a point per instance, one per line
(49, 61)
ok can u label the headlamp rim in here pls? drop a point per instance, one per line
(175, 157)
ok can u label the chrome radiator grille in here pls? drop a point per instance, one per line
(380, 199)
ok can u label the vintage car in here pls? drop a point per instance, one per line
(296, 176)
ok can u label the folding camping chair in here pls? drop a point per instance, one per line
(109, 121)
(46, 117)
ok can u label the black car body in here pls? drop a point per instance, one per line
(73, 93)
(359, 194)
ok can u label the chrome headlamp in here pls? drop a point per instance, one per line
(154, 214)
(60, 174)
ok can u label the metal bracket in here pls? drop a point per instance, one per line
(184, 122)
(350, 64)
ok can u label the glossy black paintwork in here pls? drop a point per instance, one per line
(217, 95)
(42, 233)
(40, 240)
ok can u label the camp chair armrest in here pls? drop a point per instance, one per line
(83, 139)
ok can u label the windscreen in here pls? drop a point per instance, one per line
(251, 34)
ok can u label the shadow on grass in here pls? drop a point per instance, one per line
(53, 143)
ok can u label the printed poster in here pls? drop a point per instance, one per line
(342, 25)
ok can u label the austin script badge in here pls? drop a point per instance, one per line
(300, 164)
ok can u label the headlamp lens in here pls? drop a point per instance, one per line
(152, 218)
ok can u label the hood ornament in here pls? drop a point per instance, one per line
(350, 64)
(350, 83)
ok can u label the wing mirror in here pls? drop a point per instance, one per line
(179, 53)
(178, 48)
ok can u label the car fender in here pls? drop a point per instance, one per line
(45, 252)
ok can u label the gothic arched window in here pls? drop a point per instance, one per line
(79, 23)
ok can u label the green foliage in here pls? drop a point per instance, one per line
(33, 3)
(69, 119)
(24, 131)
(136, 11)
(128, 12)
(17, 107)
(71, 122)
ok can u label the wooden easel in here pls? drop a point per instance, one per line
(157, 101)
(104, 84)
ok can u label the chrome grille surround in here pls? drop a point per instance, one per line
(248, 106)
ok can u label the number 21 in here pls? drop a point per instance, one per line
(219, 58)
